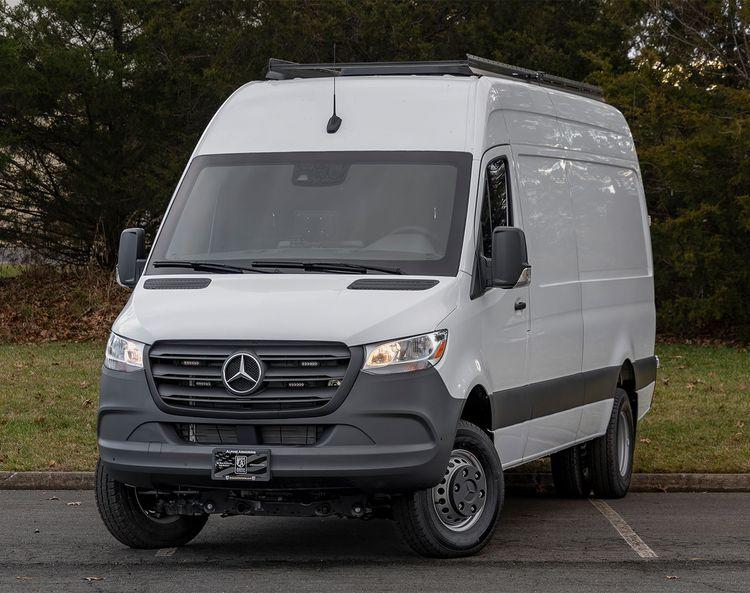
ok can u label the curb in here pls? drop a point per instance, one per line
(516, 482)
(46, 480)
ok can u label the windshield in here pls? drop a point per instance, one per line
(404, 210)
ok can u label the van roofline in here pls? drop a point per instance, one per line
(471, 66)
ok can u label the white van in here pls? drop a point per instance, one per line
(373, 305)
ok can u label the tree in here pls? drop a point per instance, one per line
(101, 102)
(687, 100)
(93, 122)
(710, 38)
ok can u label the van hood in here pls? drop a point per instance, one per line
(284, 307)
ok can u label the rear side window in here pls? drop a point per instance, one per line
(608, 220)
(495, 207)
(548, 218)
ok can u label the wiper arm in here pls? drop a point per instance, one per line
(341, 267)
(206, 266)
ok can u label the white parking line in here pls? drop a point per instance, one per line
(166, 552)
(626, 531)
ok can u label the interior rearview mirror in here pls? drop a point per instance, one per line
(509, 259)
(131, 257)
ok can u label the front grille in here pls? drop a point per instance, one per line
(229, 434)
(299, 376)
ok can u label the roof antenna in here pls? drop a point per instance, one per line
(335, 122)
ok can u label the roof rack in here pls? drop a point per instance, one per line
(471, 66)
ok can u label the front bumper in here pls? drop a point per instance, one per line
(392, 433)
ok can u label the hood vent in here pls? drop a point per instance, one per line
(392, 284)
(176, 283)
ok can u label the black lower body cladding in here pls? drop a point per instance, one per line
(543, 398)
(392, 433)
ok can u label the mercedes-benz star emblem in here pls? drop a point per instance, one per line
(242, 373)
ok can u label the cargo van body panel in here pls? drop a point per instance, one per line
(266, 117)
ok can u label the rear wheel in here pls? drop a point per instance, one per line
(611, 455)
(570, 472)
(458, 516)
(129, 516)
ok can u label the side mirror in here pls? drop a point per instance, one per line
(510, 267)
(131, 257)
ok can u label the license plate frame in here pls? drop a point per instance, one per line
(241, 465)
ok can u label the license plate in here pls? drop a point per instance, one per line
(252, 465)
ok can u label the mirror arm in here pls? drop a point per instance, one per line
(140, 265)
(485, 272)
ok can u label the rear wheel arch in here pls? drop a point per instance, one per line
(626, 381)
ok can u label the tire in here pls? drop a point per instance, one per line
(570, 472)
(124, 518)
(417, 514)
(610, 472)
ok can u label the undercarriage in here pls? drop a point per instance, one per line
(229, 502)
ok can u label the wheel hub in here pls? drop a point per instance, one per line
(623, 443)
(460, 497)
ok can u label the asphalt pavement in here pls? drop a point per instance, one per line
(54, 541)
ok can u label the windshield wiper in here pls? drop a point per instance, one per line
(206, 266)
(320, 266)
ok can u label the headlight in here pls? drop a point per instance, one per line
(409, 354)
(123, 355)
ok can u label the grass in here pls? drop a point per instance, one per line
(48, 405)
(11, 270)
(57, 304)
(700, 421)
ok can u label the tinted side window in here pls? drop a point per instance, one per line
(495, 211)
(486, 224)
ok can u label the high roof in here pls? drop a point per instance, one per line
(471, 66)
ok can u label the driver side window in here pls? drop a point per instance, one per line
(495, 204)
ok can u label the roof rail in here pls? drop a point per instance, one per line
(471, 66)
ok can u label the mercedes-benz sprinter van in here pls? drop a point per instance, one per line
(372, 306)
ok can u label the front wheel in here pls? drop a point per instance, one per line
(458, 516)
(128, 517)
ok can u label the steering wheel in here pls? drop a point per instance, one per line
(415, 230)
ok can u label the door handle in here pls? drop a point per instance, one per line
(520, 305)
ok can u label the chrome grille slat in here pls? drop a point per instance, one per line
(191, 355)
(298, 376)
(262, 349)
(188, 378)
(309, 374)
(270, 357)
(183, 372)
(259, 402)
(219, 393)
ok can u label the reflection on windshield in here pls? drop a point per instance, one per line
(400, 209)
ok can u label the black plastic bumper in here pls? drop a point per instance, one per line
(392, 433)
